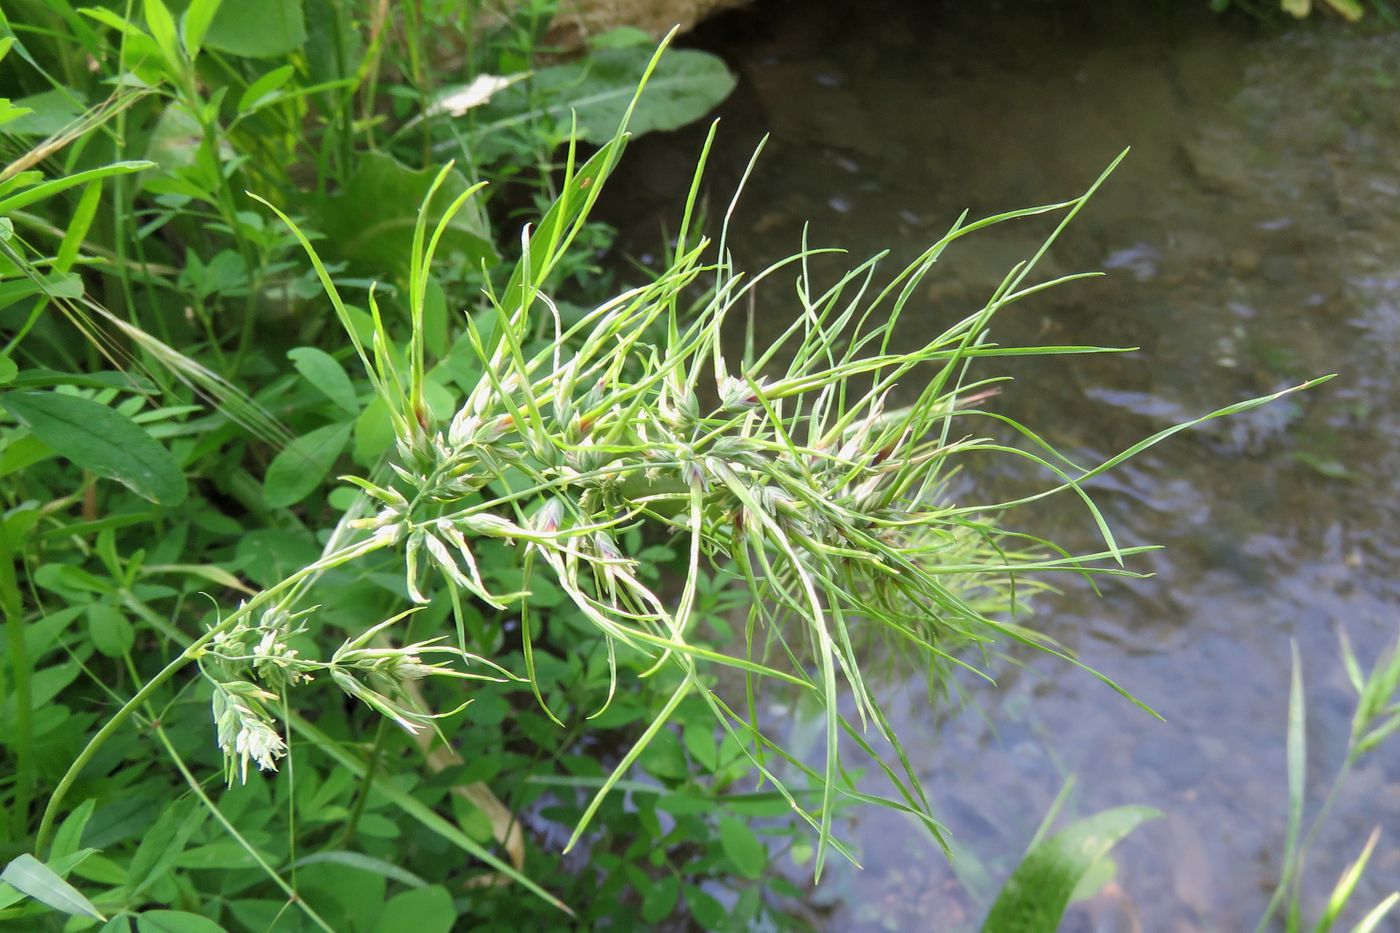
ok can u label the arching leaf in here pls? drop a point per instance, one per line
(1038, 891)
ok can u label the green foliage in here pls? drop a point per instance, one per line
(99, 439)
(28, 876)
(595, 93)
(303, 465)
(161, 330)
(1036, 895)
(501, 567)
(256, 28)
(378, 208)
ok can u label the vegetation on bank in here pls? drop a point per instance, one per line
(371, 556)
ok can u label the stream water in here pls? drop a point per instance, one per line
(1252, 240)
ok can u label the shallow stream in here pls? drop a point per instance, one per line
(1252, 240)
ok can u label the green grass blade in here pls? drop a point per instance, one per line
(1034, 898)
(33, 878)
(658, 722)
(1346, 885)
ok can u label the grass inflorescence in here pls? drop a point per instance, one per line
(813, 476)
(803, 482)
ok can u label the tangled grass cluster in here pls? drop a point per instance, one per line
(795, 473)
(814, 473)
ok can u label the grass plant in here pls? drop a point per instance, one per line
(826, 502)
(556, 510)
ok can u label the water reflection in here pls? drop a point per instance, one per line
(1253, 240)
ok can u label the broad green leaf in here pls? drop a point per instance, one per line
(8, 370)
(760, 806)
(45, 685)
(21, 453)
(194, 25)
(9, 113)
(111, 632)
(40, 636)
(374, 432)
(103, 870)
(699, 739)
(162, 844)
(30, 876)
(622, 37)
(1099, 874)
(299, 469)
(1038, 891)
(744, 849)
(346, 897)
(424, 910)
(263, 87)
(266, 555)
(99, 439)
(707, 911)
(257, 28)
(175, 921)
(664, 757)
(334, 43)
(375, 215)
(659, 900)
(686, 85)
(49, 112)
(177, 145)
(162, 27)
(328, 376)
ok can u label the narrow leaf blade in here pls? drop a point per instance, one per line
(32, 877)
(1038, 891)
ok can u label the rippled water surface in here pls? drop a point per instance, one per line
(1252, 240)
